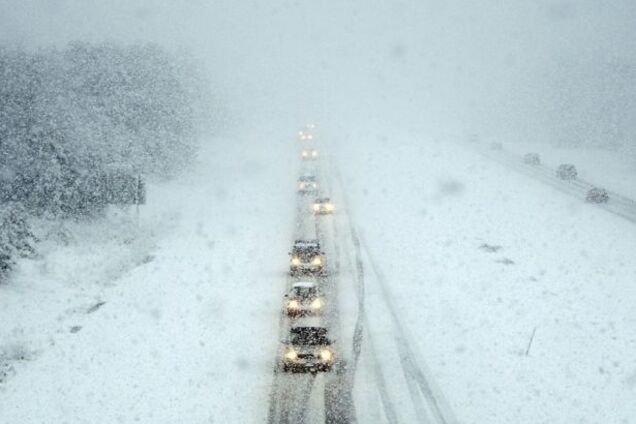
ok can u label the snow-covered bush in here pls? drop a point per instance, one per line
(16, 238)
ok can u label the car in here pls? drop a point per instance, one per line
(304, 298)
(308, 349)
(307, 184)
(306, 258)
(496, 146)
(566, 172)
(597, 195)
(531, 159)
(309, 154)
(305, 135)
(323, 206)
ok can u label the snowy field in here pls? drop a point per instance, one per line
(479, 258)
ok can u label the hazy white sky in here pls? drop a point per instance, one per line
(451, 66)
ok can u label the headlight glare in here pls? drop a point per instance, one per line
(326, 355)
(291, 355)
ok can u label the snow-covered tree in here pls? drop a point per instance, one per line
(75, 120)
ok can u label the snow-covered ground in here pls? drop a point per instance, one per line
(188, 327)
(518, 299)
(478, 259)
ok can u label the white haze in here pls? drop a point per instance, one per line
(544, 71)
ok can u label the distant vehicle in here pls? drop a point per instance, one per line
(496, 146)
(307, 184)
(323, 206)
(597, 195)
(304, 298)
(308, 349)
(309, 154)
(305, 135)
(566, 171)
(306, 258)
(531, 159)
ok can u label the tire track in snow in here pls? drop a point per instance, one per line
(438, 410)
(361, 326)
(428, 405)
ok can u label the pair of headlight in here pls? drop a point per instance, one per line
(325, 355)
(327, 206)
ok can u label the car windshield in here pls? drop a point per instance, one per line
(309, 339)
(304, 291)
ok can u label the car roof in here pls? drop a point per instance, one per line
(304, 284)
(323, 199)
(307, 178)
(306, 243)
(321, 331)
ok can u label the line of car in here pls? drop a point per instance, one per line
(308, 347)
(564, 172)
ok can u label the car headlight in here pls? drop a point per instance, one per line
(316, 261)
(329, 206)
(304, 154)
(293, 304)
(326, 355)
(316, 207)
(314, 153)
(316, 303)
(295, 261)
(291, 354)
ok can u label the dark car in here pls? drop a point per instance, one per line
(566, 171)
(306, 258)
(597, 195)
(308, 349)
